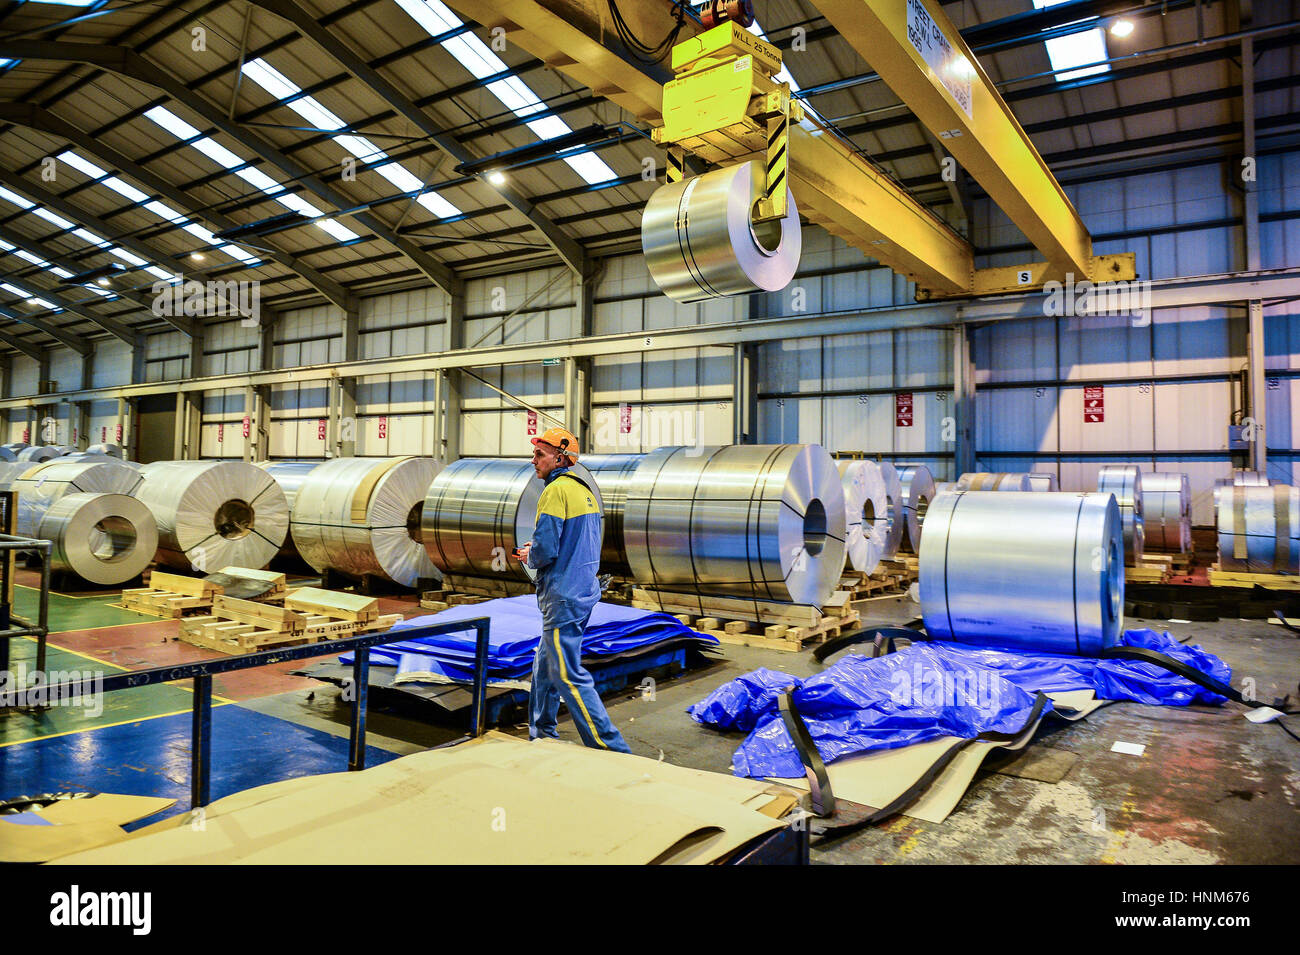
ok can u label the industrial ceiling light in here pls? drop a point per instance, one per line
(1121, 28)
(196, 256)
(496, 177)
(103, 281)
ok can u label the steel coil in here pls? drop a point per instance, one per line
(700, 243)
(1167, 512)
(1247, 478)
(1125, 482)
(112, 450)
(7, 453)
(994, 481)
(102, 538)
(10, 471)
(1043, 481)
(480, 510)
(41, 485)
(917, 486)
(613, 473)
(289, 475)
(363, 517)
(214, 514)
(1259, 529)
(764, 522)
(39, 453)
(866, 514)
(1059, 588)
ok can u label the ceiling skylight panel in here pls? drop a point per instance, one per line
(250, 174)
(1065, 52)
(475, 55)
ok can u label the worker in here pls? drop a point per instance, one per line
(565, 552)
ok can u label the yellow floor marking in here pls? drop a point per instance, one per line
(71, 596)
(102, 726)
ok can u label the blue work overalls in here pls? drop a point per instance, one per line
(565, 552)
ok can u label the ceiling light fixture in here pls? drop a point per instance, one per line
(1121, 28)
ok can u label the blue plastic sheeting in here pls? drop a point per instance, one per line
(513, 638)
(933, 689)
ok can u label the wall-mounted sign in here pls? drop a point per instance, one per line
(1094, 403)
(903, 409)
(532, 423)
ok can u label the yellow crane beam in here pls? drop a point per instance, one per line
(832, 185)
(921, 56)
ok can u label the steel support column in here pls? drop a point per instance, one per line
(963, 393)
(256, 401)
(1256, 357)
(744, 405)
(342, 426)
(189, 418)
(452, 389)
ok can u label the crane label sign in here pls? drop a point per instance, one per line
(1094, 403)
(949, 66)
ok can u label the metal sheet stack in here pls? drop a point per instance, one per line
(289, 475)
(994, 481)
(613, 473)
(1125, 482)
(103, 538)
(917, 485)
(1025, 570)
(363, 517)
(866, 514)
(763, 522)
(1167, 512)
(480, 510)
(1259, 529)
(214, 514)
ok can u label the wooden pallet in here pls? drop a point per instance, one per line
(309, 615)
(1233, 578)
(170, 595)
(487, 586)
(1147, 573)
(862, 586)
(442, 599)
(767, 624)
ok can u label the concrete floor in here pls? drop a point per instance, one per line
(1211, 787)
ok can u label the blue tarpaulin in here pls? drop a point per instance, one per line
(513, 638)
(933, 689)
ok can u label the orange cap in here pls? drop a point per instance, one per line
(562, 440)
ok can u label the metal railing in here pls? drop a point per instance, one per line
(12, 625)
(202, 672)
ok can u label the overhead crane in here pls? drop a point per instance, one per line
(917, 52)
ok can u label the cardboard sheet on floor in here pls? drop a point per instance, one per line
(71, 825)
(495, 800)
(877, 779)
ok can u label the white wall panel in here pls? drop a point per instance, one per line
(65, 368)
(112, 364)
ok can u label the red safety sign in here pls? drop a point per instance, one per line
(119, 434)
(1094, 403)
(383, 429)
(221, 433)
(903, 409)
(532, 423)
(625, 418)
(247, 424)
(27, 435)
(322, 428)
(103, 434)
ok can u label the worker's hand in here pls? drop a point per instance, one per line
(522, 553)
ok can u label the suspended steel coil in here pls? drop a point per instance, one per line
(1125, 482)
(479, 511)
(916, 484)
(700, 242)
(214, 514)
(994, 481)
(1259, 529)
(764, 522)
(613, 473)
(866, 514)
(105, 539)
(41, 485)
(1043, 481)
(1167, 512)
(364, 517)
(1059, 589)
